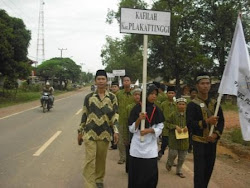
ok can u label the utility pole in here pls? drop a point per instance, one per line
(40, 35)
(61, 49)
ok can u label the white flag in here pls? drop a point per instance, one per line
(236, 78)
(120, 82)
(137, 83)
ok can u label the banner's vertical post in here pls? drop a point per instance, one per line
(131, 17)
(144, 80)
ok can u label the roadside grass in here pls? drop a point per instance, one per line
(236, 137)
(228, 106)
(22, 97)
(232, 139)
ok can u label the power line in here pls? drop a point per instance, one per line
(9, 7)
(16, 11)
(20, 10)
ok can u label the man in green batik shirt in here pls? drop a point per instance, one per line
(162, 96)
(124, 98)
(114, 89)
(167, 107)
(98, 118)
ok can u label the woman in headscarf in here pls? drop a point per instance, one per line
(143, 169)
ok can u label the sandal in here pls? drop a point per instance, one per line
(180, 175)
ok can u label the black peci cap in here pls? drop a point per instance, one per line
(101, 73)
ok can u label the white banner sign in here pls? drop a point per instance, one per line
(146, 22)
(110, 75)
(119, 72)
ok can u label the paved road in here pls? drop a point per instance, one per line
(22, 135)
(40, 150)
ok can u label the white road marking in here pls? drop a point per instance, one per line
(44, 146)
(79, 111)
(33, 108)
(19, 112)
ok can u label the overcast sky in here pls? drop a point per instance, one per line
(78, 25)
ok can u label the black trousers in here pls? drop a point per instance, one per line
(164, 144)
(143, 173)
(204, 158)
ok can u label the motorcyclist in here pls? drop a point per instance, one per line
(48, 89)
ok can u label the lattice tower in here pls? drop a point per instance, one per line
(40, 55)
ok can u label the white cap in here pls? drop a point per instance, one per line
(47, 84)
(181, 100)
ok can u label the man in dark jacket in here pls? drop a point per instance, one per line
(200, 118)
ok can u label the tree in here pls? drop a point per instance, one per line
(172, 56)
(166, 57)
(139, 4)
(14, 42)
(63, 69)
(201, 34)
(86, 77)
(123, 54)
(218, 19)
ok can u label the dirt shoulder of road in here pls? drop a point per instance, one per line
(234, 150)
(226, 146)
(6, 111)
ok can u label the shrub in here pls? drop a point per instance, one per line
(236, 137)
(24, 86)
(35, 87)
(10, 83)
(30, 87)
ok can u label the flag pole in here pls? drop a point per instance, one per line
(216, 112)
(234, 81)
(220, 95)
(144, 81)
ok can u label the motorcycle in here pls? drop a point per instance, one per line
(46, 103)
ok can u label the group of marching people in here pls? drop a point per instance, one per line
(138, 148)
(163, 115)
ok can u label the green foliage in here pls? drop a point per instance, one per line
(86, 77)
(119, 54)
(22, 97)
(10, 83)
(228, 106)
(217, 25)
(138, 4)
(14, 44)
(30, 87)
(200, 39)
(236, 137)
(62, 68)
(124, 53)
(10, 87)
